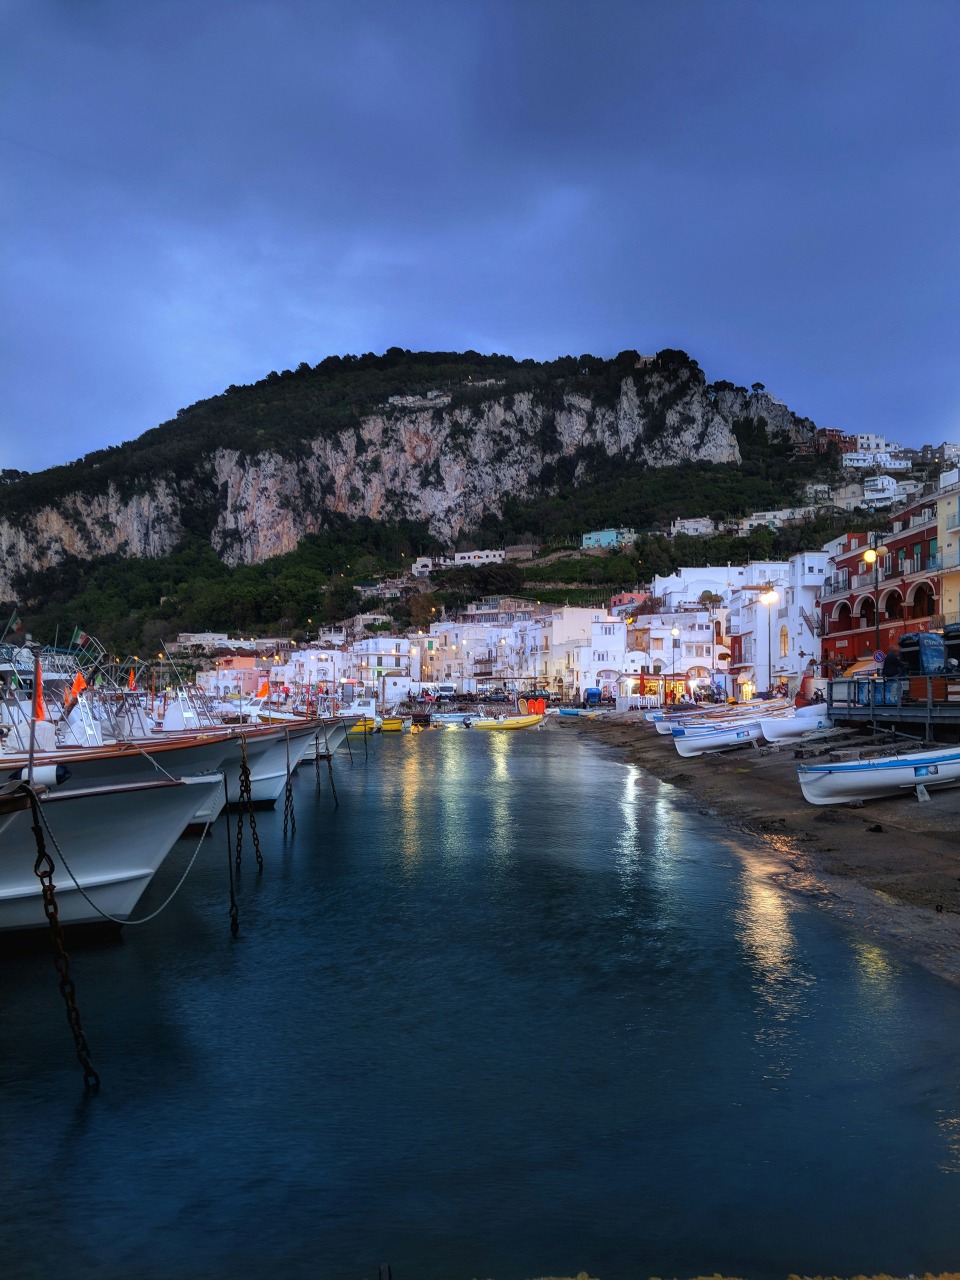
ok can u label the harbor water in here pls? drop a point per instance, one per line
(513, 1009)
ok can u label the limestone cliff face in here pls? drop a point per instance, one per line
(88, 525)
(418, 458)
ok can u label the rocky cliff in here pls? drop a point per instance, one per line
(447, 458)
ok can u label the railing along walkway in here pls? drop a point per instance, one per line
(931, 701)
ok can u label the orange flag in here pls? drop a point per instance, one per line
(78, 686)
(41, 708)
(131, 682)
(264, 690)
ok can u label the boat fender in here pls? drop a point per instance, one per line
(46, 775)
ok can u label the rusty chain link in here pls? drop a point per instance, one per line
(43, 870)
(246, 809)
(289, 817)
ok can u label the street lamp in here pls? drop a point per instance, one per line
(769, 598)
(675, 632)
(872, 556)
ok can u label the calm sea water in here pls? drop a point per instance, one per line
(507, 1012)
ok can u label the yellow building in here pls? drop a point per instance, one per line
(948, 540)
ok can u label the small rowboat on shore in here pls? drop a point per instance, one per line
(892, 775)
(698, 742)
(787, 728)
(721, 714)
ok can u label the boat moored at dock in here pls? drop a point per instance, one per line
(106, 843)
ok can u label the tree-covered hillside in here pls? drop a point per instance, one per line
(135, 602)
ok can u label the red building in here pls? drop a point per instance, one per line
(864, 606)
(833, 435)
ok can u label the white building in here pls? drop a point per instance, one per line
(381, 666)
(773, 519)
(462, 558)
(776, 637)
(862, 460)
(683, 589)
(867, 442)
(423, 566)
(694, 526)
(576, 649)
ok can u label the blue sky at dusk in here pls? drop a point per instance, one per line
(196, 192)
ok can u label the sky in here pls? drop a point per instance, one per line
(196, 192)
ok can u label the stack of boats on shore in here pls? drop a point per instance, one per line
(909, 770)
(113, 789)
(706, 729)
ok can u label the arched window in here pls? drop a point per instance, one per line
(784, 642)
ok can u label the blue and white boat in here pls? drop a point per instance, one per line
(691, 741)
(784, 728)
(917, 771)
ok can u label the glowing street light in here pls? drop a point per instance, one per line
(675, 632)
(769, 598)
(872, 556)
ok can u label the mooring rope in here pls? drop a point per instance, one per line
(105, 914)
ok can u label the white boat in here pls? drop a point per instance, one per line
(715, 710)
(331, 735)
(112, 838)
(786, 728)
(722, 738)
(722, 714)
(892, 775)
(270, 761)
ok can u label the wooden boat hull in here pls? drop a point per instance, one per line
(919, 771)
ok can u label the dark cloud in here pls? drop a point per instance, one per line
(198, 192)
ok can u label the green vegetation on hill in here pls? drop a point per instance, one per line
(284, 411)
(138, 603)
(134, 604)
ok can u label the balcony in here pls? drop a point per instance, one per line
(834, 587)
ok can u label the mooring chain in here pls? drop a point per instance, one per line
(329, 753)
(289, 817)
(234, 909)
(316, 756)
(246, 808)
(43, 869)
(127, 922)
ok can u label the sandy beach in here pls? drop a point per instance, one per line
(890, 867)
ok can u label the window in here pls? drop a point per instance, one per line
(656, 644)
(784, 642)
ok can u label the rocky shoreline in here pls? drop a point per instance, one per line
(890, 867)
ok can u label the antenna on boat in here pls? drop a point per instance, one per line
(36, 703)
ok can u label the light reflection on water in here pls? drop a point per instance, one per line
(508, 1011)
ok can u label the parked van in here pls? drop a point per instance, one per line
(445, 692)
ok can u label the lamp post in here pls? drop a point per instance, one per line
(872, 556)
(769, 598)
(675, 632)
